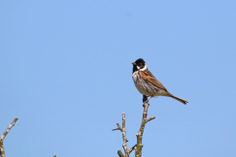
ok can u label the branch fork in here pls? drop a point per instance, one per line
(138, 147)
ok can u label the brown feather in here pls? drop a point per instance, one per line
(150, 78)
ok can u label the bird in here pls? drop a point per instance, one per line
(147, 84)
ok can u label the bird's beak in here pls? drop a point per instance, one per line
(134, 63)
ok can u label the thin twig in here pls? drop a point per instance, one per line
(124, 145)
(149, 119)
(2, 151)
(133, 148)
(118, 127)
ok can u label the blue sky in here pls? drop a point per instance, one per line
(66, 74)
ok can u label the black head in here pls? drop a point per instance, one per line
(138, 64)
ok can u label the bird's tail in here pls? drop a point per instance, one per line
(179, 99)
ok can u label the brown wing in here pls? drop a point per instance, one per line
(148, 77)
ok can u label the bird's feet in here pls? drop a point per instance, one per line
(145, 99)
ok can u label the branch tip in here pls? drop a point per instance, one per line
(149, 119)
(118, 127)
(119, 152)
(2, 151)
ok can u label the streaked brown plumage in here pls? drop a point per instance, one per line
(147, 84)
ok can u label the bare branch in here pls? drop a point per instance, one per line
(133, 148)
(124, 145)
(118, 127)
(9, 128)
(138, 150)
(2, 151)
(138, 147)
(120, 153)
(149, 119)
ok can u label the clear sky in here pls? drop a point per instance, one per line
(66, 74)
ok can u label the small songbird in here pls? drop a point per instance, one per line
(147, 84)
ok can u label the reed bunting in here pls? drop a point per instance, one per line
(147, 84)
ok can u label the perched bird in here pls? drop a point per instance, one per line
(147, 84)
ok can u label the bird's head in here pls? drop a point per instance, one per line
(139, 65)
